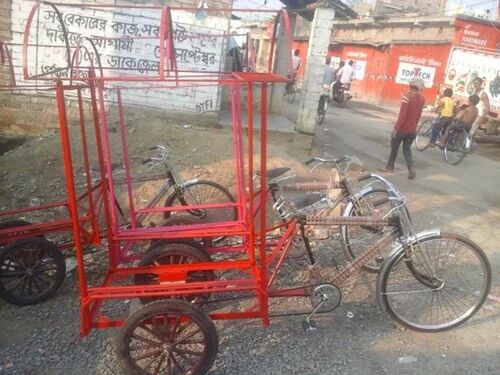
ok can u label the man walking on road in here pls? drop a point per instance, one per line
(405, 129)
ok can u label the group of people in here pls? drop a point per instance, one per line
(334, 78)
(470, 116)
(342, 75)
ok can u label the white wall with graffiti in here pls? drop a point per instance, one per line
(126, 41)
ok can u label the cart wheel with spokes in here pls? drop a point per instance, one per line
(179, 252)
(31, 271)
(167, 337)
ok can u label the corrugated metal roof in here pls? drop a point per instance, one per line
(341, 10)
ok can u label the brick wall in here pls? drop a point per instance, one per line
(193, 53)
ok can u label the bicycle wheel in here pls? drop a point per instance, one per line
(321, 112)
(180, 252)
(291, 93)
(454, 149)
(31, 271)
(440, 284)
(203, 192)
(167, 337)
(424, 132)
(356, 239)
(341, 98)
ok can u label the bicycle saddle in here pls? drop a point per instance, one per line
(275, 172)
(304, 200)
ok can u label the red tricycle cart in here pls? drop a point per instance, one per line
(187, 272)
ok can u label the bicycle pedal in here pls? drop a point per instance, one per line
(309, 325)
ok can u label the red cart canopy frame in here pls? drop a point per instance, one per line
(254, 264)
(86, 201)
(167, 64)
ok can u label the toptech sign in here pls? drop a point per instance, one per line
(406, 71)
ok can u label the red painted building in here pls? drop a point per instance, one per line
(388, 52)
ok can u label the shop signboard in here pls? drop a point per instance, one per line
(465, 65)
(407, 71)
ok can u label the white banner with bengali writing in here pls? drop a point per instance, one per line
(126, 41)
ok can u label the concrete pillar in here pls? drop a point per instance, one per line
(319, 40)
(281, 67)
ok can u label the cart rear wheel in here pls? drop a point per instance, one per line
(31, 271)
(167, 337)
(162, 253)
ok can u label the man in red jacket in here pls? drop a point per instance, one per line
(405, 129)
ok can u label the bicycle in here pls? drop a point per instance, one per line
(291, 91)
(324, 98)
(361, 201)
(424, 133)
(458, 144)
(414, 285)
(455, 147)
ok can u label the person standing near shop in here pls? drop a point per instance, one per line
(483, 106)
(296, 62)
(405, 129)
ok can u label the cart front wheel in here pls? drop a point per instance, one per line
(167, 337)
(31, 271)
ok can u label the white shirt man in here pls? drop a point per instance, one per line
(483, 106)
(346, 73)
(296, 61)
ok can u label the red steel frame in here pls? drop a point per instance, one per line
(86, 201)
(257, 264)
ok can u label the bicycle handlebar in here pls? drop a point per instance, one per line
(364, 177)
(323, 160)
(381, 202)
(308, 186)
